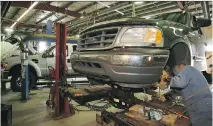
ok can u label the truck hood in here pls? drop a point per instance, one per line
(124, 21)
(17, 58)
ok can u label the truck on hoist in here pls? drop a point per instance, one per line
(38, 66)
(131, 53)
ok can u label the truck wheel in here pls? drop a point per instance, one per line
(16, 81)
(94, 82)
(179, 53)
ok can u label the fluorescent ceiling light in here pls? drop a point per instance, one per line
(147, 17)
(78, 36)
(109, 7)
(30, 8)
(138, 2)
(104, 4)
(9, 30)
(119, 12)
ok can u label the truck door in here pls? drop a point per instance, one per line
(48, 59)
(69, 50)
(197, 40)
(51, 58)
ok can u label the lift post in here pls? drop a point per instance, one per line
(61, 91)
(24, 72)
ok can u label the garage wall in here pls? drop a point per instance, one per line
(207, 31)
(7, 49)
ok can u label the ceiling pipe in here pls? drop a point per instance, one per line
(165, 9)
(109, 13)
(205, 8)
(133, 10)
(5, 8)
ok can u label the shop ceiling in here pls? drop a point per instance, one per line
(79, 15)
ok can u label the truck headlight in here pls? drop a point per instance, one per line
(4, 65)
(146, 36)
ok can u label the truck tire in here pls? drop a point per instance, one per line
(16, 81)
(179, 53)
(94, 82)
(208, 77)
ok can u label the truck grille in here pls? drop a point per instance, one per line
(99, 38)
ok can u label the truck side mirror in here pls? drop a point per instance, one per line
(203, 22)
(74, 48)
(44, 55)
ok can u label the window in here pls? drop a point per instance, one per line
(50, 52)
(194, 23)
(178, 17)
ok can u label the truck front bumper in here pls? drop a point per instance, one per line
(132, 67)
(4, 76)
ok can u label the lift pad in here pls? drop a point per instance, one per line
(129, 118)
(89, 93)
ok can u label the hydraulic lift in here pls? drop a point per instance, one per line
(141, 112)
(23, 45)
(60, 92)
(60, 88)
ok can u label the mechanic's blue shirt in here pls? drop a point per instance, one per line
(199, 107)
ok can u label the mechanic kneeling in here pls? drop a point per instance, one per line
(196, 93)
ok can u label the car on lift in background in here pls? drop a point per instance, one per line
(38, 66)
(133, 52)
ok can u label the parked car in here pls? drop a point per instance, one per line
(133, 52)
(38, 66)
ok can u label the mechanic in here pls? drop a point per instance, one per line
(196, 93)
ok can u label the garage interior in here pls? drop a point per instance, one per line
(105, 63)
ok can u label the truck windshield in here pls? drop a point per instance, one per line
(49, 50)
(178, 17)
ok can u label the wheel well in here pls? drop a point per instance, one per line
(184, 45)
(188, 50)
(16, 68)
(32, 69)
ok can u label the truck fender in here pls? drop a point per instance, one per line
(36, 67)
(30, 63)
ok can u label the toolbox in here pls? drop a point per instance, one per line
(6, 115)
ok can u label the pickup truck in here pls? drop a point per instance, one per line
(38, 66)
(133, 52)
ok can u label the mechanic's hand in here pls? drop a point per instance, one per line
(155, 84)
(161, 85)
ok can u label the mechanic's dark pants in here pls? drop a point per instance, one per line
(202, 122)
(201, 112)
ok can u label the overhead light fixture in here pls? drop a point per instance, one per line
(147, 17)
(78, 36)
(30, 8)
(9, 30)
(109, 7)
(104, 4)
(138, 2)
(119, 12)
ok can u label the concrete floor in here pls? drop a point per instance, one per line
(35, 113)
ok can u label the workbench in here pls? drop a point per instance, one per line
(121, 119)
